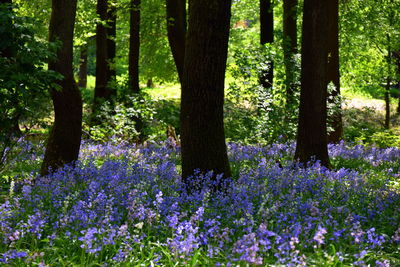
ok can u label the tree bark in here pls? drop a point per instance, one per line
(333, 73)
(111, 44)
(267, 37)
(312, 130)
(134, 46)
(176, 27)
(134, 50)
(83, 66)
(290, 47)
(388, 83)
(202, 100)
(104, 75)
(65, 137)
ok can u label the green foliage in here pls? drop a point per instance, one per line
(253, 113)
(24, 80)
(368, 29)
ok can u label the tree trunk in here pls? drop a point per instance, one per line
(387, 103)
(202, 100)
(267, 36)
(176, 26)
(333, 73)
(312, 130)
(388, 83)
(150, 83)
(134, 49)
(65, 137)
(103, 89)
(111, 44)
(134, 46)
(83, 66)
(290, 47)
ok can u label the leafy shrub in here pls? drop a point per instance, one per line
(24, 80)
(253, 113)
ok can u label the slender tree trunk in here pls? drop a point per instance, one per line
(134, 49)
(333, 73)
(202, 100)
(65, 137)
(388, 83)
(312, 130)
(267, 37)
(290, 47)
(83, 66)
(104, 75)
(176, 26)
(134, 46)
(111, 44)
(150, 83)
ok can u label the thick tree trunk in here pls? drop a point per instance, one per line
(104, 75)
(202, 125)
(83, 66)
(176, 26)
(65, 137)
(267, 37)
(134, 46)
(290, 47)
(312, 130)
(333, 73)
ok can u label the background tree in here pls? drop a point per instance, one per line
(65, 137)
(202, 99)
(83, 66)
(290, 47)
(312, 129)
(134, 46)
(176, 26)
(333, 74)
(105, 54)
(267, 37)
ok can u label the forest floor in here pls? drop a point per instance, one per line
(359, 103)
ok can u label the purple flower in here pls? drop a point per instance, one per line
(319, 235)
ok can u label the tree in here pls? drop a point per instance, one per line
(105, 54)
(111, 44)
(134, 46)
(333, 73)
(290, 46)
(83, 66)
(65, 137)
(202, 126)
(176, 26)
(267, 37)
(134, 49)
(312, 129)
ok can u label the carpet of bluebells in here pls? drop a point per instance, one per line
(124, 205)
